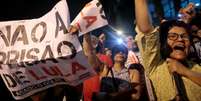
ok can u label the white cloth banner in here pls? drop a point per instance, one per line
(91, 17)
(39, 53)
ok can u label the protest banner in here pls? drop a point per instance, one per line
(91, 17)
(37, 54)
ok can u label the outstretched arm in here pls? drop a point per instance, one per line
(88, 49)
(142, 16)
(90, 52)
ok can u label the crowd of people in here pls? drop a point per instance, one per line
(168, 67)
(161, 63)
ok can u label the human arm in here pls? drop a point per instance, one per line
(147, 37)
(188, 13)
(89, 49)
(142, 16)
(90, 52)
(179, 68)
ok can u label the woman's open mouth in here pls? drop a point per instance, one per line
(179, 47)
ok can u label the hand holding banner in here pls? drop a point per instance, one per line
(91, 17)
(37, 54)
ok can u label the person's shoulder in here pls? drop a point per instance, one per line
(197, 68)
(194, 66)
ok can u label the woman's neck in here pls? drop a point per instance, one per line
(118, 66)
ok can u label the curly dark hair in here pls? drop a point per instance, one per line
(119, 48)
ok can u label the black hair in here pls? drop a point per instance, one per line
(99, 48)
(137, 66)
(119, 48)
(164, 29)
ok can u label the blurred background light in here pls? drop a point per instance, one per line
(179, 15)
(119, 41)
(119, 32)
(197, 4)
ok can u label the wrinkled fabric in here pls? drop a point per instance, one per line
(157, 69)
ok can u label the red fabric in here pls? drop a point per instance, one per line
(92, 84)
(105, 59)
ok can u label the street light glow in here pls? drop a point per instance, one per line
(197, 4)
(120, 41)
(119, 32)
(179, 15)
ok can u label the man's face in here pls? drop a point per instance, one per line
(179, 42)
(130, 42)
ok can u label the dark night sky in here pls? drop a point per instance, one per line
(24, 9)
(118, 12)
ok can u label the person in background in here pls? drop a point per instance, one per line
(165, 57)
(188, 13)
(133, 52)
(134, 61)
(195, 50)
(131, 76)
(108, 52)
(128, 90)
(92, 85)
(196, 46)
(191, 16)
(101, 41)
